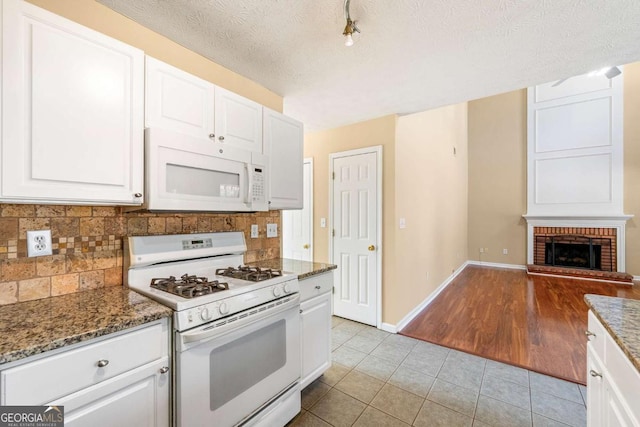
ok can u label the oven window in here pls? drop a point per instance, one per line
(201, 182)
(237, 366)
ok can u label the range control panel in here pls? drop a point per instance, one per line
(196, 244)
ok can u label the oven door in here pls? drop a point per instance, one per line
(225, 376)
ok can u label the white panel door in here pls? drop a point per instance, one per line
(177, 100)
(297, 225)
(355, 225)
(72, 111)
(238, 121)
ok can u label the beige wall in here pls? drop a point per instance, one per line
(319, 145)
(631, 77)
(498, 178)
(100, 18)
(431, 194)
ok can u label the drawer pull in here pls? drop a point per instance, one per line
(164, 369)
(317, 286)
(102, 363)
(595, 374)
(589, 334)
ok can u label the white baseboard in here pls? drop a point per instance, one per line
(389, 328)
(413, 313)
(636, 279)
(497, 265)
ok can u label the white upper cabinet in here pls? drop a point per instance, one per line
(177, 100)
(182, 102)
(283, 144)
(238, 121)
(72, 112)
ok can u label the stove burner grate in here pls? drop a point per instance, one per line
(254, 274)
(189, 286)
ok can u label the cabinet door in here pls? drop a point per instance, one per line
(72, 111)
(595, 389)
(238, 121)
(616, 413)
(283, 142)
(138, 398)
(177, 100)
(315, 321)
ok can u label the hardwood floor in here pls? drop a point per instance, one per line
(535, 322)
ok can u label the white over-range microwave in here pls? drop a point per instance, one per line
(186, 173)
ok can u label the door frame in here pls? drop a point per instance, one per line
(377, 150)
(309, 160)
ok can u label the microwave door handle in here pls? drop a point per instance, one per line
(249, 168)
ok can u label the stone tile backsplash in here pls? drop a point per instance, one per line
(87, 243)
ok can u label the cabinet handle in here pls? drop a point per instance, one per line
(164, 369)
(589, 334)
(595, 374)
(138, 195)
(212, 135)
(317, 286)
(102, 363)
(221, 138)
(300, 311)
(221, 151)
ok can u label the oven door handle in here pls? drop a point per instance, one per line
(233, 322)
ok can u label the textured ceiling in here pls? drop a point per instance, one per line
(412, 55)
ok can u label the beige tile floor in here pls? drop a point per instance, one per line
(382, 379)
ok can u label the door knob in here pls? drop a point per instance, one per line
(306, 246)
(371, 248)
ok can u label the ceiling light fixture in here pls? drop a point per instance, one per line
(351, 27)
(608, 72)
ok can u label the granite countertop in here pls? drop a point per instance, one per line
(621, 318)
(303, 269)
(34, 327)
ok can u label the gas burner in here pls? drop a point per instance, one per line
(189, 286)
(254, 274)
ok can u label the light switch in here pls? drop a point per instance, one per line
(403, 223)
(323, 222)
(272, 230)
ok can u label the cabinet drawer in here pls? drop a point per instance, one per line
(597, 340)
(43, 380)
(316, 285)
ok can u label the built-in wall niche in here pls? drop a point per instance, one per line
(575, 147)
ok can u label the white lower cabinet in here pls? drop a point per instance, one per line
(613, 383)
(136, 398)
(315, 326)
(121, 379)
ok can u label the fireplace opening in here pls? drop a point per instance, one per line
(577, 255)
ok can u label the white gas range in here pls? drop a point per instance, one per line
(237, 341)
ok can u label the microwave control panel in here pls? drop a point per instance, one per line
(258, 192)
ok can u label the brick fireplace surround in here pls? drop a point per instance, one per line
(605, 237)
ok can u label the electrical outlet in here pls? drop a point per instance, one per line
(272, 230)
(254, 231)
(505, 251)
(39, 243)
